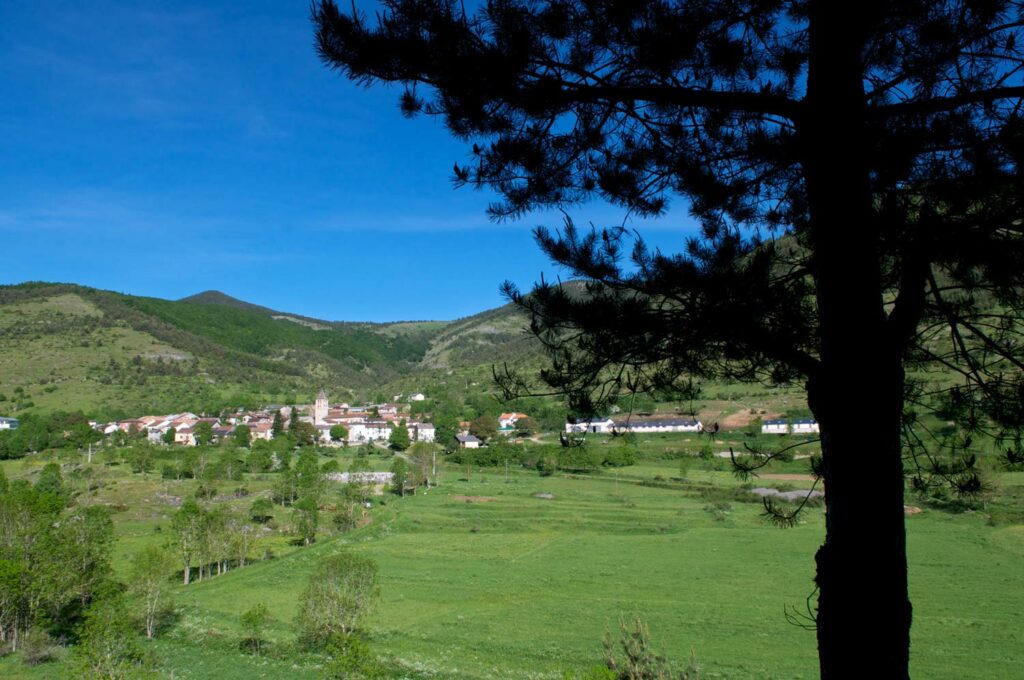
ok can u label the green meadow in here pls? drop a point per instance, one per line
(520, 576)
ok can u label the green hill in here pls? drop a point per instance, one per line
(69, 347)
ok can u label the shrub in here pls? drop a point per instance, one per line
(260, 510)
(638, 661)
(206, 491)
(546, 465)
(619, 457)
(108, 646)
(719, 510)
(340, 593)
(351, 659)
(254, 624)
(37, 648)
(345, 518)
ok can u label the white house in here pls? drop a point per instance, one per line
(185, 435)
(507, 421)
(421, 432)
(370, 431)
(786, 427)
(660, 425)
(467, 441)
(419, 396)
(775, 427)
(596, 426)
(8, 423)
(805, 427)
(261, 430)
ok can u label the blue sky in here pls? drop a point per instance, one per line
(164, 148)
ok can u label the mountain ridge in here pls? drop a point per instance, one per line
(70, 347)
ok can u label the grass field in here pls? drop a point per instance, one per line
(484, 579)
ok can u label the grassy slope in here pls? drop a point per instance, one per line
(539, 583)
(57, 343)
(59, 350)
(531, 592)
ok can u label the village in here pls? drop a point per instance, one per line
(374, 423)
(359, 424)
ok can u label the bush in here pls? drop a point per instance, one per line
(206, 491)
(340, 593)
(261, 510)
(577, 459)
(108, 646)
(351, 659)
(619, 457)
(254, 624)
(345, 518)
(37, 648)
(638, 660)
(719, 510)
(546, 465)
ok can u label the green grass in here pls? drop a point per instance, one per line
(508, 585)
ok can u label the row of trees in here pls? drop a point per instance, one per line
(38, 433)
(214, 540)
(56, 583)
(54, 560)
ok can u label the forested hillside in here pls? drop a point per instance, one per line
(69, 347)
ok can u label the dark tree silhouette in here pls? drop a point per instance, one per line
(856, 170)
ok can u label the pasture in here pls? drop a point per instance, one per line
(521, 578)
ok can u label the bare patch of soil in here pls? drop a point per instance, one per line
(474, 499)
(738, 420)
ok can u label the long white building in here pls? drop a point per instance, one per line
(647, 426)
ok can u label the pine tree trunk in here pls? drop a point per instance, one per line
(864, 611)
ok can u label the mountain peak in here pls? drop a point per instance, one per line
(216, 297)
(210, 297)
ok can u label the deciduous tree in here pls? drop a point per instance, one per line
(339, 433)
(339, 595)
(148, 581)
(188, 525)
(203, 433)
(242, 436)
(306, 517)
(400, 475)
(399, 437)
(484, 427)
(254, 624)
